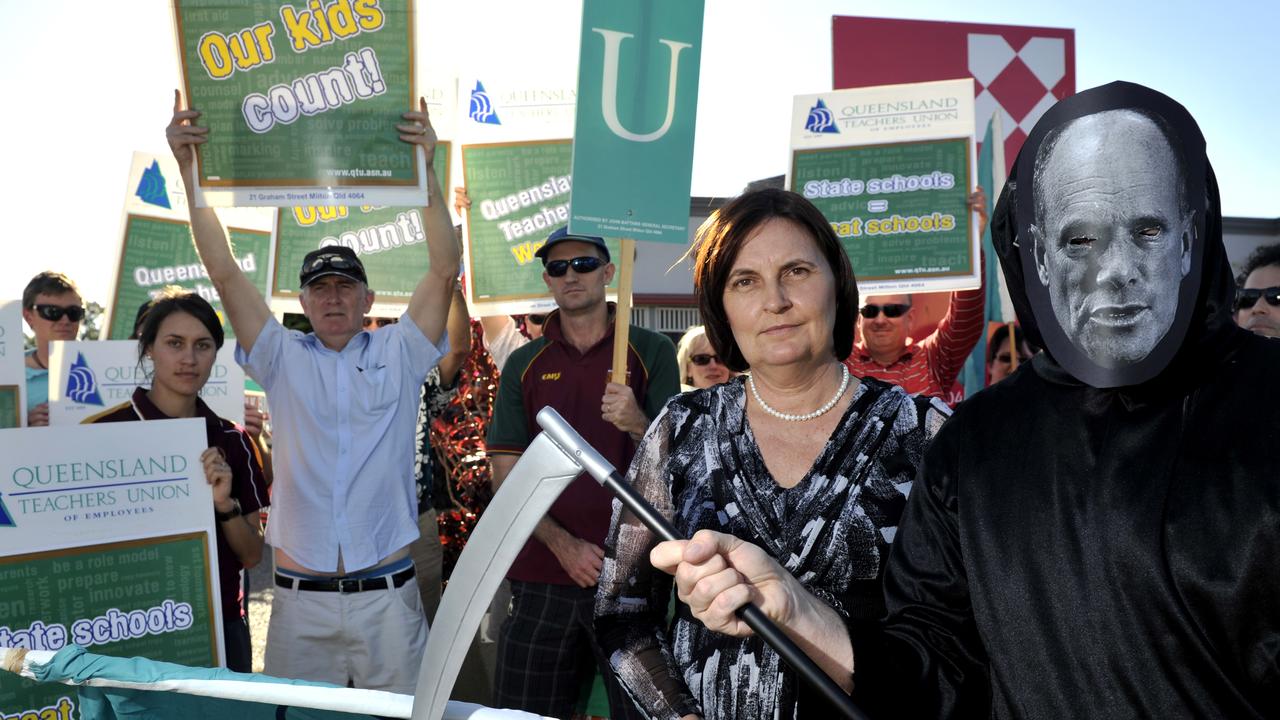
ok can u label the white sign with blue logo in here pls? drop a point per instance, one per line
(13, 375)
(72, 486)
(87, 378)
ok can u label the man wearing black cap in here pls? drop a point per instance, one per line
(346, 609)
(547, 643)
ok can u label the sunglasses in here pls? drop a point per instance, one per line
(703, 359)
(380, 322)
(1246, 299)
(536, 319)
(1007, 358)
(54, 313)
(580, 265)
(891, 310)
(333, 261)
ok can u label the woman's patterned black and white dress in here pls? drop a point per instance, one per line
(699, 465)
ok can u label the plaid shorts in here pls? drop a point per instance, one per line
(547, 650)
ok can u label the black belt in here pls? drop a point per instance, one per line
(346, 585)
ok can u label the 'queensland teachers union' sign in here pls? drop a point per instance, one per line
(87, 378)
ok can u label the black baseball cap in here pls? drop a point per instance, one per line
(562, 235)
(332, 260)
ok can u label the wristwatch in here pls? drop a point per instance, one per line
(234, 512)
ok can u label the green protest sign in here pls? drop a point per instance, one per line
(10, 407)
(899, 209)
(145, 598)
(302, 94)
(158, 252)
(637, 105)
(391, 242)
(519, 193)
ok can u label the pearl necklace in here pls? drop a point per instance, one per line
(844, 384)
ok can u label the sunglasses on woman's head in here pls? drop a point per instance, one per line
(536, 318)
(891, 310)
(581, 265)
(703, 359)
(1246, 299)
(54, 313)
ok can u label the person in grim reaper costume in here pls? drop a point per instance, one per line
(1096, 536)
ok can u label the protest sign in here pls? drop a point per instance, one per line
(391, 243)
(13, 374)
(301, 101)
(519, 194)
(516, 159)
(891, 168)
(106, 541)
(637, 103)
(156, 253)
(159, 245)
(89, 377)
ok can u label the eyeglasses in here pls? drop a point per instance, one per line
(1246, 299)
(536, 318)
(54, 313)
(703, 359)
(891, 310)
(580, 265)
(1007, 358)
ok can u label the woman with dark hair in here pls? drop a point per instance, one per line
(797, 457)
(1002, 359)
(180, 335)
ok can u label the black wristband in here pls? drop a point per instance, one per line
(234, 512)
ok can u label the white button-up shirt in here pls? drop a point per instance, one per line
(344, 435)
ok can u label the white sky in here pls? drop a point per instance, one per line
(87, 83)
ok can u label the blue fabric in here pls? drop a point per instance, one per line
(974, 374)
(344, 428)
(99, 703)
(37, 385)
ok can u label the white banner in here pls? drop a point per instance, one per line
(88, 377)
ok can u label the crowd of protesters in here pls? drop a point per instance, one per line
(791, 392)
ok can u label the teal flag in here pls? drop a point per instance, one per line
(637, 106)
(974, 375)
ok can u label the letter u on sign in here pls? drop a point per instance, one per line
(609, 85)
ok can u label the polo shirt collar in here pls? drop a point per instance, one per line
(147, 410)
(907, 352)
(552, 331)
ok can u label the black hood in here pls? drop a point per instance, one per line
(1201, 332)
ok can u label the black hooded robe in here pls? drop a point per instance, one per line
(1073, 552)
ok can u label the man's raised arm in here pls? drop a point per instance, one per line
(429, 305)
(246, 308)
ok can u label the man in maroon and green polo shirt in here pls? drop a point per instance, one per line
(545, 645)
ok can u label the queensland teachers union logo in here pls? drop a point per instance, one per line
(151, 187)
(481, 107)
(82, 385)
(820, 119)
(6, 519)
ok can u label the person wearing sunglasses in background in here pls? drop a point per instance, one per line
(1258, 298)
(548, 642)
(700, 367)
(346, 609)
(52, 308)
(1000, 357)
(930, 366)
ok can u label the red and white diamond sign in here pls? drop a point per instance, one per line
(1019, 71)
